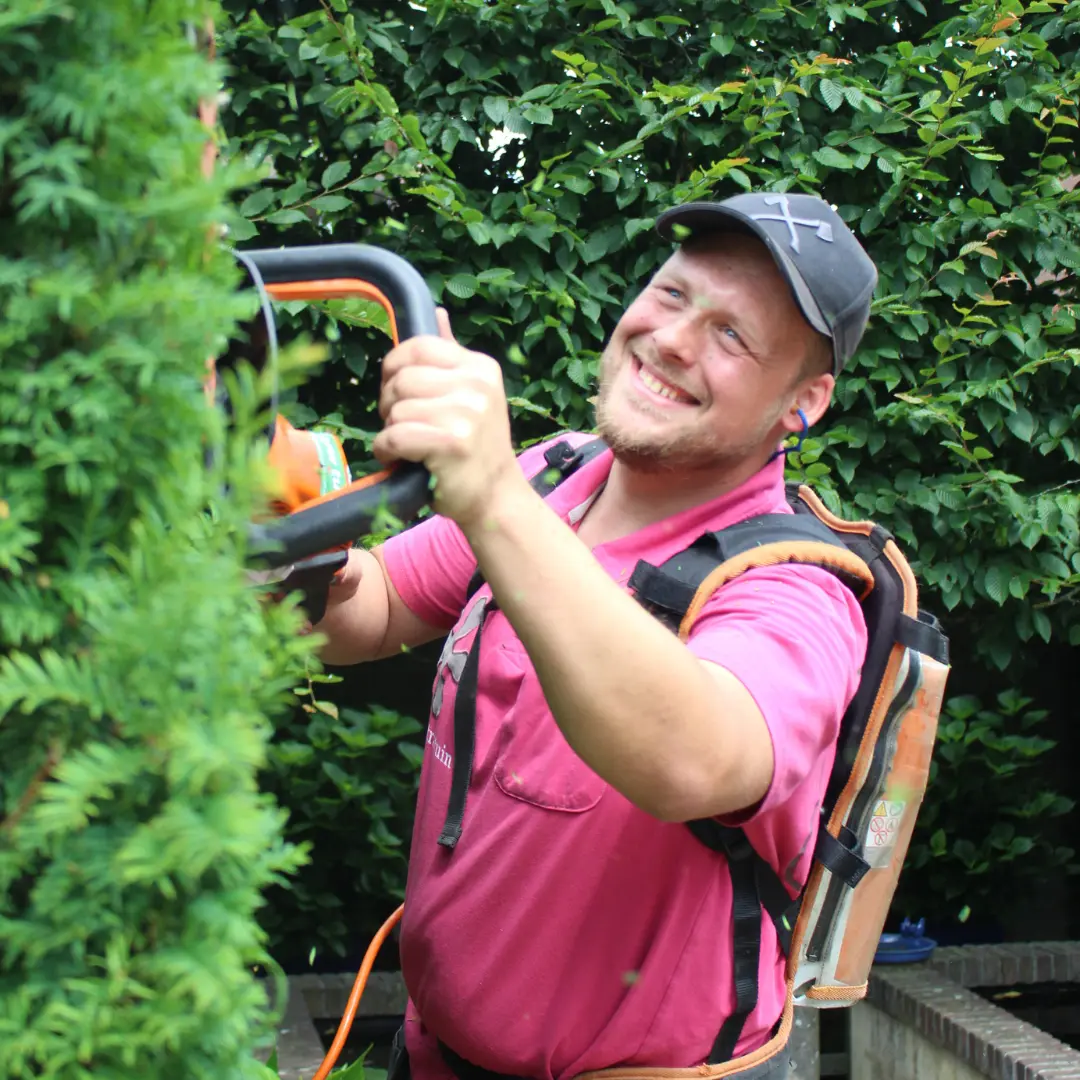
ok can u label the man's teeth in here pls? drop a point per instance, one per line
(657, 387)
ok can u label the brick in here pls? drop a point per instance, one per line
(1062, 1072)
(1010, 968)
(1044, 966)
(971, 1046)
(980, 1059)
(979, 971)
(1014, 1069)
(996, 1064)
(1049, 1064)
(1027, 964)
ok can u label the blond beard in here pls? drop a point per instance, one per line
(692, 451)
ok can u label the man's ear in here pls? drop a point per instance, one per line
(813, 397)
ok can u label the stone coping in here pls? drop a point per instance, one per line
(327, 995)
(933, 998)
(1003, 965)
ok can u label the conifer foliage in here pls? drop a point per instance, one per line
(139, 673)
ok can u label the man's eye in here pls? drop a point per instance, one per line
(731, 335)
(675, 294)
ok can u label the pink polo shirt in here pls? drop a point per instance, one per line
(569, 930)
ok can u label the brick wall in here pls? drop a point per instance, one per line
(911, 1004)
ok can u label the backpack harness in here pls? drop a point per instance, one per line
(674, 593)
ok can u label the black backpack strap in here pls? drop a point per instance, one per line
(925, 635)
(562, 461)
(754, 885)
(669, 590)
(840, 855)
(464, 734)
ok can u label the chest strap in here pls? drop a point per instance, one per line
(562, 460)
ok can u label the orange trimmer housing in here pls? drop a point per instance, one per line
(322, 510)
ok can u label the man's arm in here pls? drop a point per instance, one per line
(679, 737)
(365, 617)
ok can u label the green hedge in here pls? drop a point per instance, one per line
(518, 151)
(138, 669)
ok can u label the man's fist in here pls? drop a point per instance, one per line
(445, 406)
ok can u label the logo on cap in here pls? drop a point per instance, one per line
(823, 230)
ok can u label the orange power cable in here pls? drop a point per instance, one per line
(356, 994)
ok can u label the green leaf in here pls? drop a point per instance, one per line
(480, 234)
(497, 108)
(334, 173)
(579, 372)
(996, 583)
(1016, 87)
(462, 286)
(595, 247)
(257, 202)
(331, 203)
(829, 155)
(539, 114)
(1053, 565)
(286, 217)
(1021, 423)
(832, 93)
(981, 173)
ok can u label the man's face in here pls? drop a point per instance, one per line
(705, 362)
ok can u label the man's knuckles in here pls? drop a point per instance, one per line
(448, 412)
(427, 350)
(473, 389)
(436, 352)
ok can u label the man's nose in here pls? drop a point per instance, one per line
(676, 341)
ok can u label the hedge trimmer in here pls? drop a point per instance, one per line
(322, 510)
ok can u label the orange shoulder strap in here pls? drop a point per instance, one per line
(845, 564)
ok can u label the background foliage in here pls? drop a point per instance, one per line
(138, 669)
(349, 776)
(518, 151)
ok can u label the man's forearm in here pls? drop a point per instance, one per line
(356, 627)
(632, 701)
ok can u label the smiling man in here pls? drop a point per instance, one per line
(560, 918)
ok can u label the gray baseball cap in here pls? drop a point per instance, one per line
(831, 276)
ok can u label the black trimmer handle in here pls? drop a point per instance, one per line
(398, 280)
(334, 270)
(403, 491)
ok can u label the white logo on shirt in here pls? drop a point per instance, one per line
(452, 660)
(442, 755)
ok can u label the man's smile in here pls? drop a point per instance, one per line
(658, 387)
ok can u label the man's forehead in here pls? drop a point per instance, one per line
(717, 253)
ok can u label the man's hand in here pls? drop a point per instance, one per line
(445, 406)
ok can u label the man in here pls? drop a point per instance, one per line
(561, 918)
